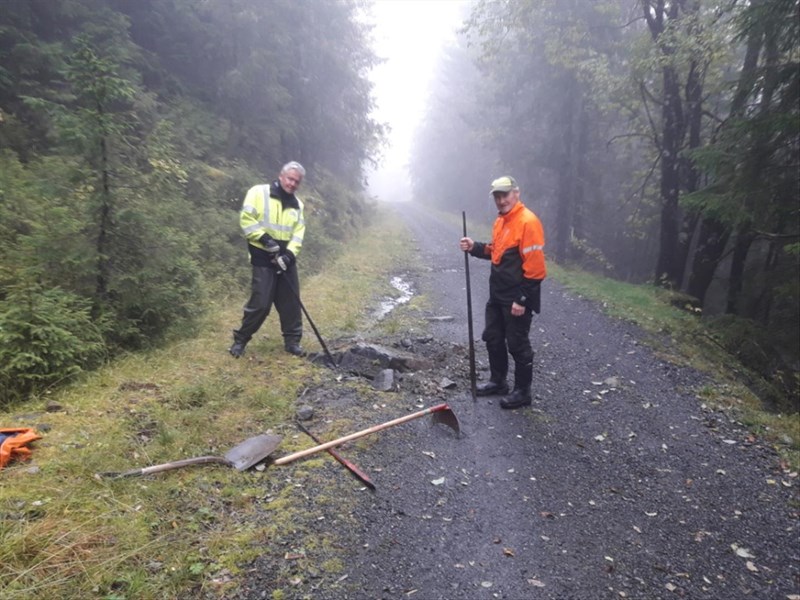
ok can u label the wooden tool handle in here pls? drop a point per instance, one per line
(337, 442)
(198, 460)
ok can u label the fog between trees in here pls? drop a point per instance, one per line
(657, 140)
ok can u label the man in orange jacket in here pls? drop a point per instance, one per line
(518, 269)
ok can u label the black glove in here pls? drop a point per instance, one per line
(270, 245)
(284, 261)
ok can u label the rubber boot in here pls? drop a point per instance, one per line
(498, 367)
(521, 396)
(237, 349)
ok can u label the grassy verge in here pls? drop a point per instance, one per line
(66, 533)
(680, 337)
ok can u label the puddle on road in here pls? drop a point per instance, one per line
(389, 304)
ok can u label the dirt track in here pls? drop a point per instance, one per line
(617, 483)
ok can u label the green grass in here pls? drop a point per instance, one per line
(67, 533)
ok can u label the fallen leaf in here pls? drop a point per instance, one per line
(741, 552)
(293, 555)
(508, 552)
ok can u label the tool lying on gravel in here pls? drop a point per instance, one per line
(473, 386)
(353, 468)
(255, 449)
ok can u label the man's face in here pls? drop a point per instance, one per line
(505, 201)
(290, 180)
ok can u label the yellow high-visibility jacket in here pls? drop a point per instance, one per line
(264, 212)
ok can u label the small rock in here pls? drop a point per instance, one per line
(305, 413)
(447, 384)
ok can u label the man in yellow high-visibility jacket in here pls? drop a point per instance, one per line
(272, 222)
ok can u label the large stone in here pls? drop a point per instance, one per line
(391, 358)
(384, 380)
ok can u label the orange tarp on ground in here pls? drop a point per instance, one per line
(13, 443)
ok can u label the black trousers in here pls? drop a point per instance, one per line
(506, 334)
(268, 287)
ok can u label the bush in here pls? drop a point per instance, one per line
(46, 336)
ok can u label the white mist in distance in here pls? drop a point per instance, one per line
(409, 36)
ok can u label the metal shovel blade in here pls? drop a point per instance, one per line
(447, 417)
(252, 451)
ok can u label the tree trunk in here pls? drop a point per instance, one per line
(744, 238)
(565, 176)
(711, 240)
(669, 266)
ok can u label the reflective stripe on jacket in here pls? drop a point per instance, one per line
(263, 212)
(517, 255)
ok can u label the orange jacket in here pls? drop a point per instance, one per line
(13, 442)
(517, 255)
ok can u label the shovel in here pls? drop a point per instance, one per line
(242, 456)
(255, 449)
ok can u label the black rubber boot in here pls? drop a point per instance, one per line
(237, 349)
(491, 388)
(521, 396)
(292, 346)
(517, 399)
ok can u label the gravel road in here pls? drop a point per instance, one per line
(617, 483)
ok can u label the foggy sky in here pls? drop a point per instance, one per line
(409, 35)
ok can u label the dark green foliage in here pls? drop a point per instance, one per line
(47, 336)
(771, 375)
(129, 134)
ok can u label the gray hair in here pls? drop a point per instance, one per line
(293, 166)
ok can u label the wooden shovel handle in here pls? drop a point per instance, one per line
(337, 442)
(197, 460)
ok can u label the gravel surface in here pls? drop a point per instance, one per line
(617, 483)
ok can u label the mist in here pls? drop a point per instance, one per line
(409, 40)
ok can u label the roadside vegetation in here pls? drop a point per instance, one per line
(66, 533)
